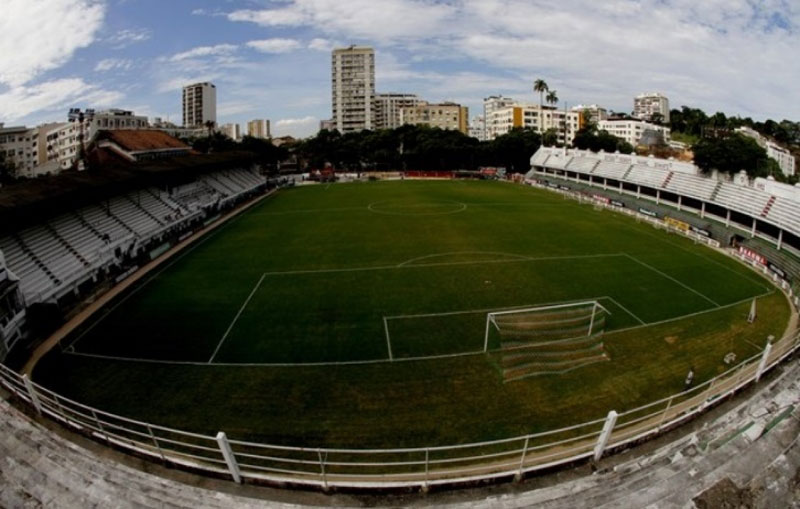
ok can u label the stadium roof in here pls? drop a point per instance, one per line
(138, 140)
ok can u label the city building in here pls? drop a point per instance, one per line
(232, 131)
(446, 115)
(18, 145)
(490, 105)
(199, 104)
(259, 128)
(592, 112)
(179, 131)
(387, 108)
(327, 125)
(785, 159)
(477, 128)
(636, 131)
(528, 116)
(647, 105)
(353, 88)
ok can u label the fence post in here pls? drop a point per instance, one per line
(518, 477)
(427, 469)
(230, 459)
(322, 470)
(32, 394)
(608, 427)
(666, 411)
(763, 363)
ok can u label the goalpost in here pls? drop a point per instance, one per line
(547, 324)
(548, 340)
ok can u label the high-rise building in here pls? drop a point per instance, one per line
(490, 105)
(199, 104)
(387, 108)
(645, 106)
(536, 118)
(353, 88)
(259, 128)
(444, 116)
(232, 131)
(635, 131)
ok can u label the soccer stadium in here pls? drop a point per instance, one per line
(413, 330)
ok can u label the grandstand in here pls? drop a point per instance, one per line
(52, 258)
(769, 211)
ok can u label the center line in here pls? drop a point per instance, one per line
(230, 327)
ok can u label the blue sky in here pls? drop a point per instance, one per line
(271, 58)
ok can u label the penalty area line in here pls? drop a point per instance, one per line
(236, 318)
(643, 264)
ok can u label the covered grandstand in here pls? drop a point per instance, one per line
(764, 217)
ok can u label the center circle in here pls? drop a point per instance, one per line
(408, 208)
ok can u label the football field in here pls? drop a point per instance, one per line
(356, 315)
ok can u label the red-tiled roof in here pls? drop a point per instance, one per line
(137, 140)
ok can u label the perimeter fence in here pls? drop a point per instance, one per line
(392, 468)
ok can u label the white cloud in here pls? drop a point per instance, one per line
(113, 64)
(40, 36)
(205, 51)
(276, 45)
(127, 37)
(367, 19)
(297, 127)
(21, 101)
(319, 44)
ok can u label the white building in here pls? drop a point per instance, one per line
(387, 108)
(232, 131)
(784, 158)
(532, 116)
(634, 131)
(647, 105)
(19, 146)
(199, 104)
(259, 128)
(595, 112)
(353, 88)
(477, 128)
(490, 105)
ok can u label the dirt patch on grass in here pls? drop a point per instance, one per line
(671, 339)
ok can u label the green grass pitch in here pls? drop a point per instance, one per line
(353, 315)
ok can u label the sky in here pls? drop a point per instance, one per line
(271, 58)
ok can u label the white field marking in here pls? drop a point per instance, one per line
(388, 341)
(748, 276)
(454, 253)
(375, 361)
(236, 318)
(612, 299)
(461, 208)
(310, 211)
(442, 264)
(274, 364)
(494, 311)
(692, 315)
(147, 281)
(671, 279)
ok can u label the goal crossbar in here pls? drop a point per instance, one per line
(492, 316)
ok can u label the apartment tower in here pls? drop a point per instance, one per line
(353, 88)
(199, 104)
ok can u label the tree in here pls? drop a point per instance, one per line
(552, 97)
(657, 118)
(267, 154)
(732, 154)
(541, 87)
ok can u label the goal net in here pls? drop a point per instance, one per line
(548, 339)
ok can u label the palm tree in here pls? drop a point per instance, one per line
(552, 97)
(541, 86)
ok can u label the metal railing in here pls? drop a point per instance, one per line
(405, 467)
